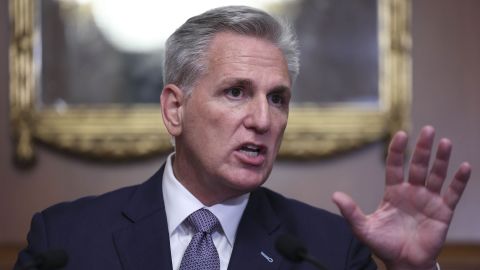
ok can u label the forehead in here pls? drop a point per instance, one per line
(241, 53)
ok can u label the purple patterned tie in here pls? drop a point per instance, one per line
(201, 253)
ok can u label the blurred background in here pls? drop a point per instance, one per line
(446, 94)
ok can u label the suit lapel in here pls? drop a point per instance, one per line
(256, 234)
(144, 243)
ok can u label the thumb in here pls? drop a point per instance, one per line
(350, 210)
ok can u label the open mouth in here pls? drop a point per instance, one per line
(252, 150)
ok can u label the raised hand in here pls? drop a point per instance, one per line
(409, 227)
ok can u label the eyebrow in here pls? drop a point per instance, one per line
(237, 81)
(281, 89)
(249, 83)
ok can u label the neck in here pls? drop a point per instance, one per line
(196, 182)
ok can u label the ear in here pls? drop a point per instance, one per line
(172, 101)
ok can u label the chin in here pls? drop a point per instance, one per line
(247, 181)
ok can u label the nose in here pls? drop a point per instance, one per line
(258, 116)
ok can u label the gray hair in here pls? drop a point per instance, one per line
(185, 49)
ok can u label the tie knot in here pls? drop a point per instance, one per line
(203, 221)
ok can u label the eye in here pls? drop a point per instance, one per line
(234, 92)
(276, 99)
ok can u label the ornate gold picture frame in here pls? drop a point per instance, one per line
(113, 131)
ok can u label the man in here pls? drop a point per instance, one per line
(228, 78)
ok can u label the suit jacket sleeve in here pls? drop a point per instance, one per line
(37, 241)
(359, 257)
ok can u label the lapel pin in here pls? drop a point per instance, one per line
(268, 258)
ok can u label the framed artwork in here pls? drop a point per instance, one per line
(86, 78)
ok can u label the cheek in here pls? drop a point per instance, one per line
(280, 123)
(224, 119)
(277, 132)
(210, 124)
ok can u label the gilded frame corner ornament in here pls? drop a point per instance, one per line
(114, 132)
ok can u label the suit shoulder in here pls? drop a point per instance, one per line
(110, 202)
(302, 214)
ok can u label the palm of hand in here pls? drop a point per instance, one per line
(409, 227)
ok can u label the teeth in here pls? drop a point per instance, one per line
(250, 153)
(251, 147)
(250, 150)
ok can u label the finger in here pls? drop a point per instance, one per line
(349, 210)
(418, 169)
(456, 188)
(438, 173)
(395, 159)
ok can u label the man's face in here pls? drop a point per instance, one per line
(234, 119)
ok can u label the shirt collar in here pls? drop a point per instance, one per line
(180, 203)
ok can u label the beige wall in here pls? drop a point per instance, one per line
(446, 81)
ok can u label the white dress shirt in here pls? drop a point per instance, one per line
(180, 203)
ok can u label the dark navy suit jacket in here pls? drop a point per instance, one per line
(127, 229)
